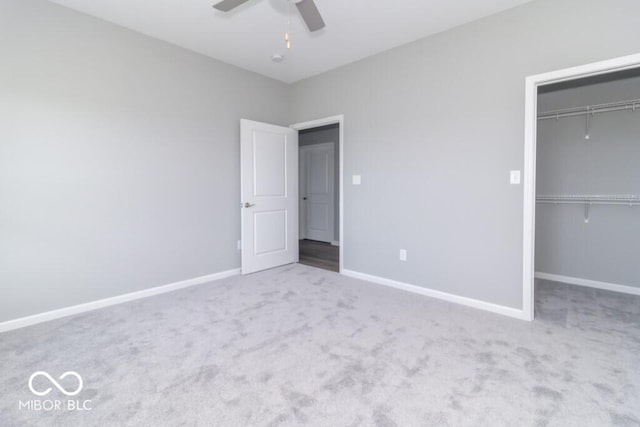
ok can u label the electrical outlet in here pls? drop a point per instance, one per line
(403, 254)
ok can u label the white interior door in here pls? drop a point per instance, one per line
(319, 195)
(269, 195)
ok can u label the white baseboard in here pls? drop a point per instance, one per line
(335, 243)
(106, 302)
(482, 305)
(589, 283)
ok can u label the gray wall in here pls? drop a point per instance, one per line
(330, 133)
(605, 249)
(435, 126)
(119, 158)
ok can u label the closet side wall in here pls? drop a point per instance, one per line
(606, 248)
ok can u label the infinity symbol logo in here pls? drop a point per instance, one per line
(55, 383)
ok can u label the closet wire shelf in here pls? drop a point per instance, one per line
(630, 200)
(632, 104)
(590, 199)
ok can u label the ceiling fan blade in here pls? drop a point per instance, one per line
(310, 15)
(227, 5)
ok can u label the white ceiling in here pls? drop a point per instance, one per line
(250, 34)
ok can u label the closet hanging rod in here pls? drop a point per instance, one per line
(633, 104)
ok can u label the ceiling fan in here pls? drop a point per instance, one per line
(307, 9)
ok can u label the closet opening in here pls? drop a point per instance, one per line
(583, 194)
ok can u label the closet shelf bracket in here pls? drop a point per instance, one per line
(587, 208)
(587, 130)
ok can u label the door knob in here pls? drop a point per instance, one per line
(249, 205)
(304, 198)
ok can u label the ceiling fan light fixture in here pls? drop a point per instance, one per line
(306, 8)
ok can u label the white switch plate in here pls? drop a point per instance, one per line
(403, 254)
(239, 245)
(515, 177)
(357, 179)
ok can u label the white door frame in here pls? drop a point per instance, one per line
(339, 119)
(529, 173)
(302, 208)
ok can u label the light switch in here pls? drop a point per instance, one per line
(357, 179)
(515, 177)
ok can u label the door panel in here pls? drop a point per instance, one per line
(319, 163)
(318, 216)
(270, 232)
(319, 166)
(269, 169)
(269, 163)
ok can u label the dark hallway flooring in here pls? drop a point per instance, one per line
(320, 255)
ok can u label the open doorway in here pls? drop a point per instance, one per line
(572, 78)
(319, 196)
(320, 193)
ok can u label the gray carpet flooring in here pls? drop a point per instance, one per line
(302, 346)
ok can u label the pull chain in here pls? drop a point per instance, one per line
(286, 34)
